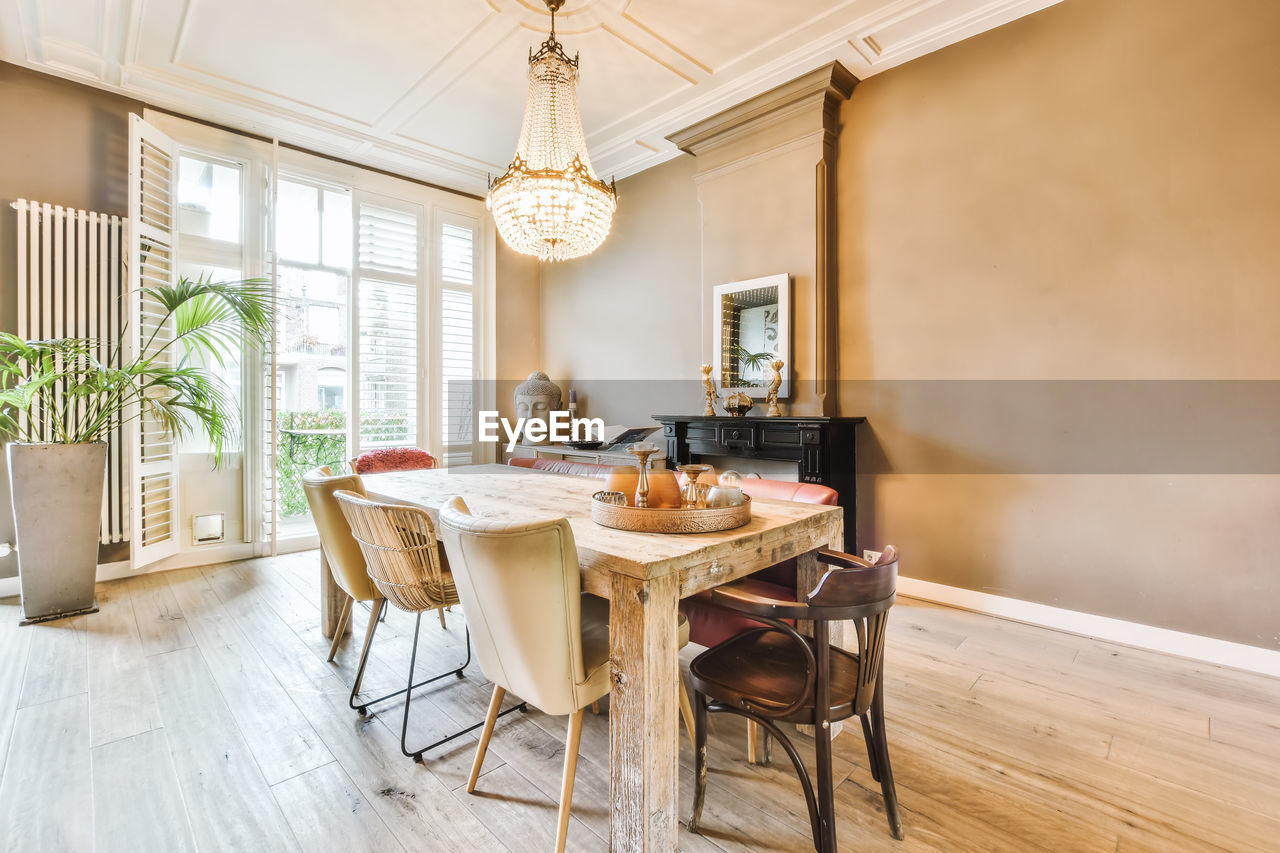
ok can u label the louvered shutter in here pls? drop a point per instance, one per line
(152, 260)
(387, 363)
(457, 264)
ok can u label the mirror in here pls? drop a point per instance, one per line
(752, 325)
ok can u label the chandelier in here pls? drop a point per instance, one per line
(549, 202)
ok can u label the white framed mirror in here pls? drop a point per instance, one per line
(751, 324)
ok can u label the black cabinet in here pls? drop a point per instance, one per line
(822, 448)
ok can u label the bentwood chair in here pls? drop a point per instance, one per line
(538, 635)
(403, 560)
(773, 674)
(710, 625)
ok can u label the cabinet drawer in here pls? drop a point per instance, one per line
(740, 437)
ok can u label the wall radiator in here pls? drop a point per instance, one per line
(70, 284)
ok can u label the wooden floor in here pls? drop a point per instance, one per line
(196, 711)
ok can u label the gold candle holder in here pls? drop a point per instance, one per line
(689, 500)
(642, 452)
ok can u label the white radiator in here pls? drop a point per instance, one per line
(70, 275)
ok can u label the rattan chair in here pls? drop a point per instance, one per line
(773, 674)
(402, 557)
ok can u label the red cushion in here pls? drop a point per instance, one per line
(393, 459)
(710, 625)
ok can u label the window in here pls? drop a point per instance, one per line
(331, 383)
(209, 221)
(381, 318)
(313, 287)
(387, 288)
(457, 341)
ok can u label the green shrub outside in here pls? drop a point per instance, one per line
(298, 454)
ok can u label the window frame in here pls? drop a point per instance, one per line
(258, 159)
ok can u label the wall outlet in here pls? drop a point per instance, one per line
(871, 556)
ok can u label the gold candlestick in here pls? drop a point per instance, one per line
(642, 452)
(689, 499)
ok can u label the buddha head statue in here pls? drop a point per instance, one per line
(536, 398)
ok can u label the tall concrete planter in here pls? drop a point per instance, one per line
(57, 503)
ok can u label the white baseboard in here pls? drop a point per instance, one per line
(1194, 646)
(207, 556)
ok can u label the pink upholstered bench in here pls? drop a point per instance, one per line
(561, 466)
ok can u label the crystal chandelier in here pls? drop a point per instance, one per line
(549, 202)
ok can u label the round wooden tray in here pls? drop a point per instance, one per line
(657, 520)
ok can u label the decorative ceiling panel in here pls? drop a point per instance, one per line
(435, 88)
(717, 33)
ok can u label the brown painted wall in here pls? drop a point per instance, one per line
(1088, 193)
(63, 143)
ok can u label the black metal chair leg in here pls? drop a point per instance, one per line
(886, 771)
(873, 760)
(416, 754)
(699, 759)
(363, 707)
(408, 690)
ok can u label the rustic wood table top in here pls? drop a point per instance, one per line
(778, 530)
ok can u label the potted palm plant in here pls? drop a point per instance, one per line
(59, 401)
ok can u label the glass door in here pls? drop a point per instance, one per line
(312, 382)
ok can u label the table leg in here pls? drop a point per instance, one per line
(332, 597)
(643, 728)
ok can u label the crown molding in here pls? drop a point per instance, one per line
(823, 86)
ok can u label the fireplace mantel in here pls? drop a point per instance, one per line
(822, 449)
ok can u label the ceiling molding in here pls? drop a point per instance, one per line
(831, 81)
(447, 111)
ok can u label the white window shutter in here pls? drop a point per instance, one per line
(386, 304)
(456, 261)
(152, 262)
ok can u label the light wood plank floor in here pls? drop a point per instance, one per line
(196, 711)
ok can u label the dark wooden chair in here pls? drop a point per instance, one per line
(773, 674)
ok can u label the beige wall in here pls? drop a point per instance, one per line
(631, 311)
(518, 322)
(1071, 196)
(1091, 192)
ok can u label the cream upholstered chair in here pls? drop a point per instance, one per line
(346, 561)
(403, 560)
(538, 635)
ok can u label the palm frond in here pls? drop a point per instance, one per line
(63, 384)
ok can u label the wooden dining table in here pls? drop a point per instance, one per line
(643, 575)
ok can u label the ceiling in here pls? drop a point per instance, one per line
(435, 89)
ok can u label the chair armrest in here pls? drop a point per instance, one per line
(733, 597)
(841, 559)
